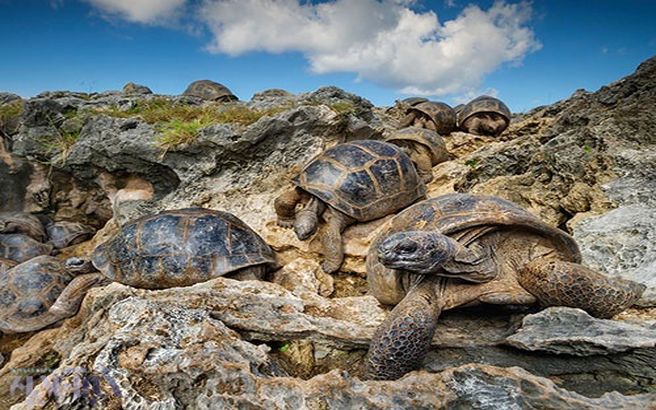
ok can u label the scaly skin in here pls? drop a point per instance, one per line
(559, 283)
(331, 240)
(402, 340)
(285, 206)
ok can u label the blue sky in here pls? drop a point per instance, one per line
(529, 54)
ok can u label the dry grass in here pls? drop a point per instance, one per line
(180, 123)
(9, 112)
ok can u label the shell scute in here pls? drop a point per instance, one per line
(180, 248)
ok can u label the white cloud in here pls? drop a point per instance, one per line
(384, 41)
(140, 11)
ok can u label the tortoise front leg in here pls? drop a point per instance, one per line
(401, 342)
(560, 283)
(408, 120)
(331, 240)
(66, 305)
(424, 165)
(285, 206)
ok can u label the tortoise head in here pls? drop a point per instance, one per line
(79, 266)
(486, 123)
(416, 251)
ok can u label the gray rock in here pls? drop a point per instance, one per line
(163, 349)
(623, 243)
(562, 330)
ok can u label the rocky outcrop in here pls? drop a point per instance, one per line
(584, 164)
(563, 330)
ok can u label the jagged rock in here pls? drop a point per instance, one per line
(622, 242)
(185, 346)
(132, 88)
(562, 330)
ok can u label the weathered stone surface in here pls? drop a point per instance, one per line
(622, 242)
(562, 330)
(142, 348)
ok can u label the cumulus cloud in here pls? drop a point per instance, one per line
(384, 41)
(140, 11)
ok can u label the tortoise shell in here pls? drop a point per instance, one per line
(429, 138)
(365, 179)
(29, 289)
(6, 264)
(440, 113)
(412, 101)
(63, 234)
(484, 104)
(210, 90)
(180, 248)
(22, 222)
(19, 247)
(465, 218)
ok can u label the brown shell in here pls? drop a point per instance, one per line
(20, 248)
(22, 222)
(465, 218)
(429, 138)
(442, 115)
(64, 233)
(484, 104)
(365, 179)
(29, 289)
(6, 264)
(180, 248)
(210, 90)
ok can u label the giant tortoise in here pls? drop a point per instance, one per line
(352, 182)
(169, 249)
(425, 148)
(461, 249)
(436, 116)
(484, 115)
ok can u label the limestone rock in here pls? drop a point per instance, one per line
(562, 330)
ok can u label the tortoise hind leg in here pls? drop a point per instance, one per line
(331, 240)
(560, 283)
(66, 305)
(401, 342)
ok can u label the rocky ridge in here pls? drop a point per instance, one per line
(585, 164)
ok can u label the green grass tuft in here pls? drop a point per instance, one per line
(180, 123)
(60, 146)
(343, 107)
(9, 112)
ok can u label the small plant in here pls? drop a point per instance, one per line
(587, 149)
(60, 146)
(284, 348)
(343, 107)
(472, 162)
